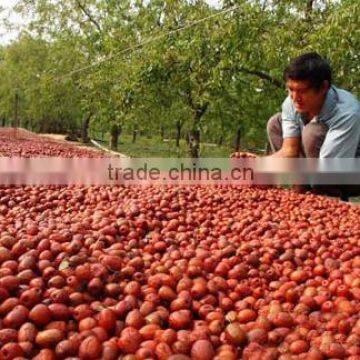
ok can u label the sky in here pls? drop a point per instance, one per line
(6, 36)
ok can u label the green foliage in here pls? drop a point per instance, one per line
(218, 75)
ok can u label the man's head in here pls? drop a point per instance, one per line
(308, 78)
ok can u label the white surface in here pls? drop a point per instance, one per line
(107, 150)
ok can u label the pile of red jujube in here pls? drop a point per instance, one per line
(23, 143)
(177, 273)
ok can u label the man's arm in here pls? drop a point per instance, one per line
(290, 148)
(343, 138)
(291, 132)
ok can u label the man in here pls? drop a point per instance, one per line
(318, 120)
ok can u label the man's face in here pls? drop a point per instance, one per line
(305, 98)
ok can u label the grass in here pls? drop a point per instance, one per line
(156, 147)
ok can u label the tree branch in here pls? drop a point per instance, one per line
(198, 110)
(189, 98)
(264, 4)
(309, 9)
(262, 75)
(89, 16)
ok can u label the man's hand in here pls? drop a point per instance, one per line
(241, 154)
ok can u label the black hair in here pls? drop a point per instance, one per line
(311, 67)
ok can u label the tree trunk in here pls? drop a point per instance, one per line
(187, 137)
(237, 140)
(43, 126)
(3, 122)
(16, 111)
(194, 145)
(114, 136)
(198, 111)
(178, 132)
(84, 129)
(268, 148)
(221, 140)
(162, 132)
(134, 133)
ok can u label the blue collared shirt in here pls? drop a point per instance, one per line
(340, 113)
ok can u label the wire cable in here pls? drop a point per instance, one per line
(147, 41)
